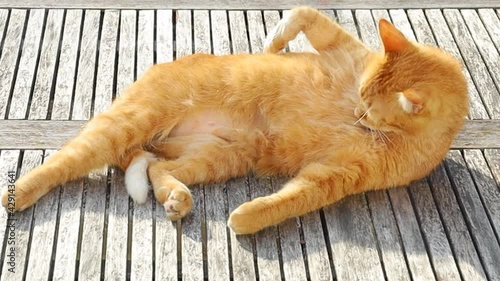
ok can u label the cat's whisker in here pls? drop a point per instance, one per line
(362, 116)
(381, 137)
(387, 138)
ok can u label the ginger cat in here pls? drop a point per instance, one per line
(343, 121)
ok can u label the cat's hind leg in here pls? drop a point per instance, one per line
(103, 141)
(322, 32)
(207, 159)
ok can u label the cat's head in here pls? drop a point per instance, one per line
(409, 87)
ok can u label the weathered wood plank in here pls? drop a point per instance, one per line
(493, 159)
(486, 186)
(422, 30)
(66, 71)
(242, 247)
(192, 239)
(416, 254)
(480, 36)
(492, 24)
(164, 36)
(438, 248)
(192, 250)
(256, 30)
(253, 5)
(290, 242)
(166, 262)
(82, 104)
(318, 262)
(183, 31)
(145, 42)
(4, 13)
(220, 33)
(463, 248)
(117, 234)
(201, 21)
(445, 40)
(354, 249)
(475, 63)
(106, 62)
(23, 221)
(475, 214)
(27, 65)
(384, 222)
(47, 66)
(69, 228)
(387, 235)
(126, 50)
(266, 241)
(215, 194)
(314, 240)
(96, 186)
(43, 233)
(217, 240)
(142, 228)
(10, 53)
(238, 29)
(9, 160)
(94, 203)
(117, 231)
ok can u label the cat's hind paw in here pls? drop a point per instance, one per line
(16, 200)
(179, 203)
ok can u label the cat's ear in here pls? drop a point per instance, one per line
(394, 41)
(411, 102)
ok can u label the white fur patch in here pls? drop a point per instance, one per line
(188, 102)
(405, 103)
(277, 31)
(136, 177)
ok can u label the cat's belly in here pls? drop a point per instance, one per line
(205, 122)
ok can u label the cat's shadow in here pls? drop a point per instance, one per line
(349, 225)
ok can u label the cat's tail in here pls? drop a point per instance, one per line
(136, 176)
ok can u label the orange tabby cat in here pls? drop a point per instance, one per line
(343, 121)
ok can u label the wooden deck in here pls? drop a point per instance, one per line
(59, 67)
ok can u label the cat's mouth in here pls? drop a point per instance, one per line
(367, 129)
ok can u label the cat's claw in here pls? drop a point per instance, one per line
(178, 203)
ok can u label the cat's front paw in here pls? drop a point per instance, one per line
(248, 218)
(178, 203)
